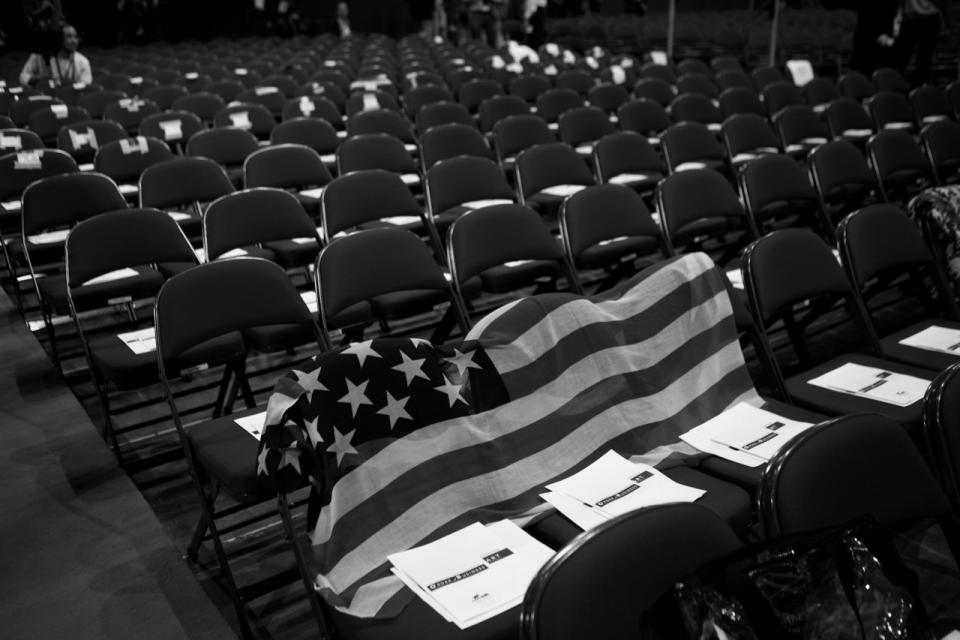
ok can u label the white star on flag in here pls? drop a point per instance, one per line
(463, 361)
(310, 382)
(362, 350)
(452, 391)
(411, 368)
(356, 396)
(419, 342)
(341, 445)
(394, 409)
(313, 432)
(262, 462)
(291, 456)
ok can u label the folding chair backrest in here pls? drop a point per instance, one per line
(840, 170)
(613, 580)
(19, 168)
(285, 166)
(173, 127)
(403, 263)
(365, 196)
(839, 470)
(553, 103)
(513, 134)
(439, 113)
(941, 426)
(689, 142)
(125, 160)
(251, 217)
(13, 139)
(776, 181)
(254, 118)
(64, 200)
(491, 236)
(229, 147)
(182, 181)
(604, 212)
(547, 165)
(697, 194)
(374, 151)
(608, 97)
(854, 84)
(46, 123)
(82, 139)
(204, 105)
(880, 237)
(584, 124)
(219, 298)
(382, 121)
(312, 107)
(740, 100)
(21, 110)
(626, 152)
(942, 143)
(643, 116)
(454, 181)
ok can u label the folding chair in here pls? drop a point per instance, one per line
(697, 84)
(165, 95)
(842, 178)
(881, 250)
(778, 95)
(21, 110)
(553, 103)
(890, 79)
(46, 123)
(941, 142)
(370, 102)
(96, 102)
(691, 145)
(457, 185)
(691, 107)
(286, 84)
(513, 134)
(130, 112)
(227, 147)
(82, 139)
(528, 87)
(425, 95)
(293, 167)
(607, 227)
(627, 158)
(656, 90)
(800, 130)
(763, 76)
(737, 100)
(173, 127)
(819, 92)
(645, 117)
(608, 97)
(403, 282)
(662, 72)
(776, 190)
(326, 90)
(472, 93)
(226, 89)
(899, 165)
(746, 137)
(215, 302)
(14, 139)
(890, 110)
(548, 173)
(125, 160)
(940, 428)
(441, 113)
(270, 98)
(203, 105)
(847, 120)
(930, 104)
(694, 66)
(576, 80)
(617, 581)
(451, 140)
(719, 64)
(389, 122)
(582, 127)
(377, 151)
(111, 260)
(502, 248)
(734, 79)
(253, 118)
(784, 269)
(184, 183)
(316, 107)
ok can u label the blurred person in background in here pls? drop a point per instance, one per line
(920, 23)
(57, 63)
(875, 35)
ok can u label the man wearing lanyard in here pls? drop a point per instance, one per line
(66, 67)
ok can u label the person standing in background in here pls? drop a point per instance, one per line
(875, 35)
(920, 22)
(66, 66)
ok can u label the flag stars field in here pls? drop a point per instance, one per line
(356, 396)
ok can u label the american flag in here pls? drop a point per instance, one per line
(415, 441)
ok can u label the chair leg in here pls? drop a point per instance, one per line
(312, 597)
(201, 530)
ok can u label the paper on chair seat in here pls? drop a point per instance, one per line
(241, 120)
(131, 189)
(86, 166)
(873, 383)
(402, 220)
(141, 341)
(303, 240)
(814, 140)
(580, 513)
(479, 204)
(615, 485)
(410, 178)
(370, 102)
(934, 117)
(743, 157)
(735, 276)
(191, 75)
(11, 207)
(942, 339)
(516, 263)
(310, 299)
(312, 193)
(857, 133)
(172, 129)
(585, 149)
(474, 573)
(234, 253)
(329, 158)
(898, 125)
(627, 178)
(411, 148)
(49, 237)
(604, 243)
(110, 276)
(29, 160)
(179, 215)
(563, 189)
(60, 111)
(714, 126)
(265, 91)
(252, 424)
(744, 434)
(687, 166)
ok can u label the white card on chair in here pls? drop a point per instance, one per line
(873, 383)
(942, 339)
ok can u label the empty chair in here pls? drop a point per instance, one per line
(449, 141)
(371, 101)
(763, 76)
(800, 130)
(719, 64)
(890, 110)
(690, 145)
(270, 98)
(778, 95)
(424, 95)
(405, 280)
(842, 177)
(130, 112)
(254, 118)
(365, 198)
(389, 122)
(96, 102)
(227, 147)
(881, 249)
(930, 104)
(547, 173)
(440, 113)
(294, 167)
(627, 158)
(474, 92)
(617, 580)
(377, 151)
(734, 79)
(286, 84)
(694, 66)
(47, 122)
(13, 139)
(528, 87)
(313, 107)
(645, 117)
(740, 100)
(820, 92)
(608, 97)
(607, 227)
(776, 190)
(899, 164)
(855, 85)
(890, 79)
(184, 186)
(21, 110)
(690, 107)
(941, 141)
(553, 103)
(124, 161)
(786, 268)
(747, 136)
(204, 105)
(513, 134)
(698, 84)
(457, 185)
(317, 134)
(496, 108)
(226, 89)
(173, 127)
(18, 169)
(662, 72)
(655, 89)
(82, 139)
(579, 81)
(165, 95)
(582, 127)
(847, 119)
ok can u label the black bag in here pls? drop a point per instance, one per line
(847, 583)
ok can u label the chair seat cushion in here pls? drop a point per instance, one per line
(227, 454)
(290, 254)
(504, 278)
(612, 251)
(915, 356)
(278, 337)
(143, 285)
(703, 227)
(399, 304)
(836, 403)
(354, 315)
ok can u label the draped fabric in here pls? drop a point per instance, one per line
(939, 208)
(544, 386)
